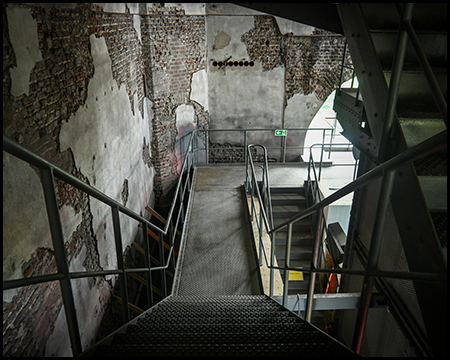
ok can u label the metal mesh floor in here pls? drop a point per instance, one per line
(218, 256)
(222, 326)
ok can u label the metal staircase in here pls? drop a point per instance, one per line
(220, 326)
(256, 325)
(287, 202)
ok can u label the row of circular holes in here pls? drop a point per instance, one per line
(235, 63)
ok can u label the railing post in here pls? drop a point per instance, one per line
(287, 264)
(51, 202)
(245, 144)
(148, 265)
(314, 263)
(121, 264)
(321, 155)
(163, 263)
(207, 146)
(272, 260)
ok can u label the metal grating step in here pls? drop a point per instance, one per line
(224, 350)
(238, 337)
(255, 326)
(222, 328)
(434, 164)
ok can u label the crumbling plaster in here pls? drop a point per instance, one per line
(24, 38)
(106, 140)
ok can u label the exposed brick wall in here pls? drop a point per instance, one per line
(173, 49)
(265, 42)
(58, 87)
(312, 64)
(125, 52)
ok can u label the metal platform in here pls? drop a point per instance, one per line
(218, 255)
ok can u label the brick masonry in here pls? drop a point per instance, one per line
(312, 62)
(57, 88)
(173, 49)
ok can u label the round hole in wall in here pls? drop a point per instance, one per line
(245, 63)
(236, 63)
(215, 63)
(230, 63)
(220, 63)
(241, 63)
(251, 63)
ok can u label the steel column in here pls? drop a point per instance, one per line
(51, 202)
(314, 262)
(394, 85)
(372, 261)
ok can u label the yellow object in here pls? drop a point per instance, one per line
(295, 275)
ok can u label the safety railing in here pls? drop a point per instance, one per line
(312, 188)
(218, 146)
(48, 173)
(262, 187)
(434, 143)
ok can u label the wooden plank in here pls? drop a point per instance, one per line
(156, 237)
(159, 217)
(144, 282)
(130, 305)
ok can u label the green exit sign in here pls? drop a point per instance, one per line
(280, 132)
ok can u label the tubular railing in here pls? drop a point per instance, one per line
(249, 135)
(312, 188)
(434, 143)
(48, 173)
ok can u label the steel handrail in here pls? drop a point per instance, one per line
(24, 154)
(48, 172)
(426, 147)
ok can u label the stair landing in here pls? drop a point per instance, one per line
(218, 256)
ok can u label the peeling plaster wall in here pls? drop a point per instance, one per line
(102, 136)
(81, 105)
(23, 35)
(292, 68)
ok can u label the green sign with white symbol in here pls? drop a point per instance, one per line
(280, 132)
